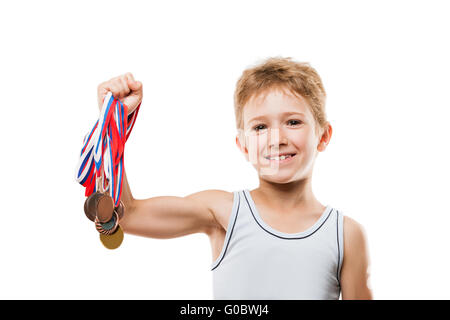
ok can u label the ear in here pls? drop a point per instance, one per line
(240, 142)
(325, 138)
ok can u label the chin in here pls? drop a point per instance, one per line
(280, 182)
(275, 175)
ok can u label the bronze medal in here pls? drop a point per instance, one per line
(86, 212)
(108, 227)
(114, 240)
(99, 204)
(104, 208)
(90, 205)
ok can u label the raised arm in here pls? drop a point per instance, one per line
(158, 217)
(167, 217)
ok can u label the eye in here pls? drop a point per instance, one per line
(257, 128)
(298, 121)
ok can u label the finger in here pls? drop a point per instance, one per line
(129, 76)
(101, 90)
(101, 93)
(121, 90)
(113, 88)
(106, 87)
(124, 86)
(135, 86)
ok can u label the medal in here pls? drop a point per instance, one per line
(108, 227)
(94, 203)
(102, 156)
(111, 235)
(90, 214)
(99, 204)
(104, 208)
(114, 240)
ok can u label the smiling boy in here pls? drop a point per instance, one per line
(276, 241)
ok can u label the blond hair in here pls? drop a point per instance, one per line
(281, 73)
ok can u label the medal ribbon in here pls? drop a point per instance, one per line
(104, 146)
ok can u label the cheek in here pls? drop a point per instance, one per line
(301, 142)
(255, 145)
(305, 145)
(312, 150)
(256, 141)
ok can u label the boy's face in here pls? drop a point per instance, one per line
(277, 123)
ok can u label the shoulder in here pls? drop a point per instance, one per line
(212, 196)
(355, 240)
(355, 267)
(354, 235)
(219, 202)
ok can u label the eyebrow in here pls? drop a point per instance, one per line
(284, 114)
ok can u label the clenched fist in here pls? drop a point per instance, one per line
(124, 88)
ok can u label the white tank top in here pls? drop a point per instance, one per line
(259, 262)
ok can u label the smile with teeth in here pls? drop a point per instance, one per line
(280, 158)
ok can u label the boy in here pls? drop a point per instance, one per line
(277, 241)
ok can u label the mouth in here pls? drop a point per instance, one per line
(281, 159)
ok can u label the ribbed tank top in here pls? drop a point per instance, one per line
(259, 262)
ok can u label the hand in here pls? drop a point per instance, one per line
(124, 88)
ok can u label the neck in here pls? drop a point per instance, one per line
(288, 196)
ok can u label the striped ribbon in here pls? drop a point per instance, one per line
(103, 146)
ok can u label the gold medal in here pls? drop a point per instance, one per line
(114, 240)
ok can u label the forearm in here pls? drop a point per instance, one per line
(127, 196)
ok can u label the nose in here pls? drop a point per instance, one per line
(277, 137)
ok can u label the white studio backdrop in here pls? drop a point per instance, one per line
(385, 68)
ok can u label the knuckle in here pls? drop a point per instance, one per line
(123, 81)
(114, 89)
(117, 85)
(130, 76)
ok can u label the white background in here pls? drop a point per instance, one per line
(385, 66)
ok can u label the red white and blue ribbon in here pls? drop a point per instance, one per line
(103, 148)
